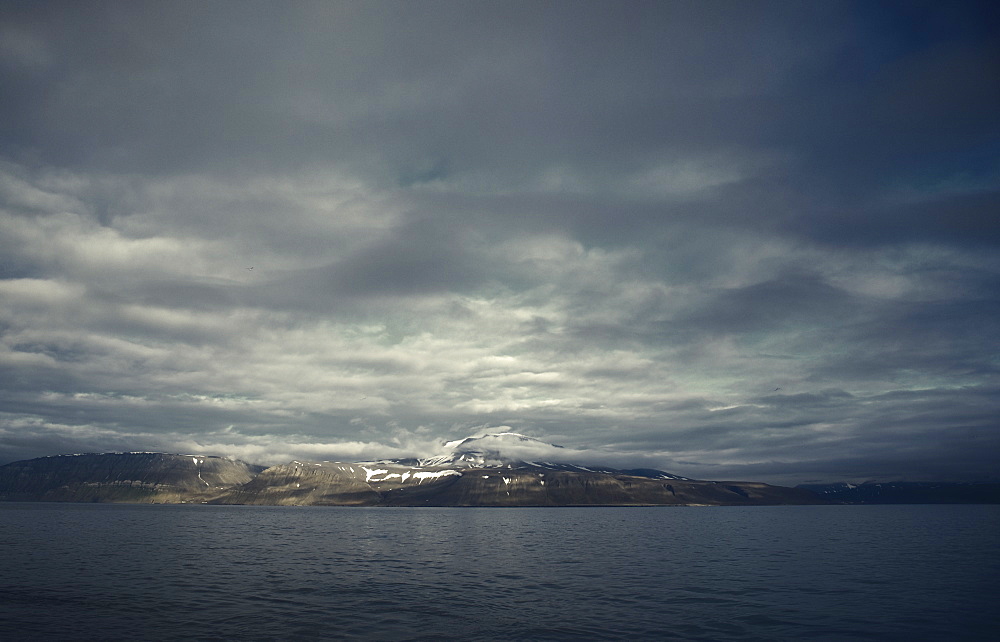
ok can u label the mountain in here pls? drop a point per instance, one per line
(908, 492)
(391, 484)
(514, 450)
(502, 469)
(122, 477)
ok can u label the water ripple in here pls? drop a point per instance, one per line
(271, 573)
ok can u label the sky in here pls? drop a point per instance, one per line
(731, 240)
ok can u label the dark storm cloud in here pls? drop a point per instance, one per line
(740, 239)
(404, 88)
(787, 300)
(962, 220)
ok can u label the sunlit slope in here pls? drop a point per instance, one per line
(339, 484)
(122, 477)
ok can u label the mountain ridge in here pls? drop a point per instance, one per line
(492, 469)
(499, 469)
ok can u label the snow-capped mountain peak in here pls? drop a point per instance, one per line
(514, 450)
(495, 449)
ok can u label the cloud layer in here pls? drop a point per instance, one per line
(754, 240)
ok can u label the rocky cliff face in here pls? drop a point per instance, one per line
(343, 484)
(527, 487)
(385, 484)
(122, 477)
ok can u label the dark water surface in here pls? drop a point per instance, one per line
(139, 572)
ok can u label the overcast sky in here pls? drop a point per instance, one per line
(732, 240)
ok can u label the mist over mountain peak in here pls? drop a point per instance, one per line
(493, 449)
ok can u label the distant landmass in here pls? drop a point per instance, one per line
(491, 470)
(908, 492)
(477, 471)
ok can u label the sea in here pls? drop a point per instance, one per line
(200, 572)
